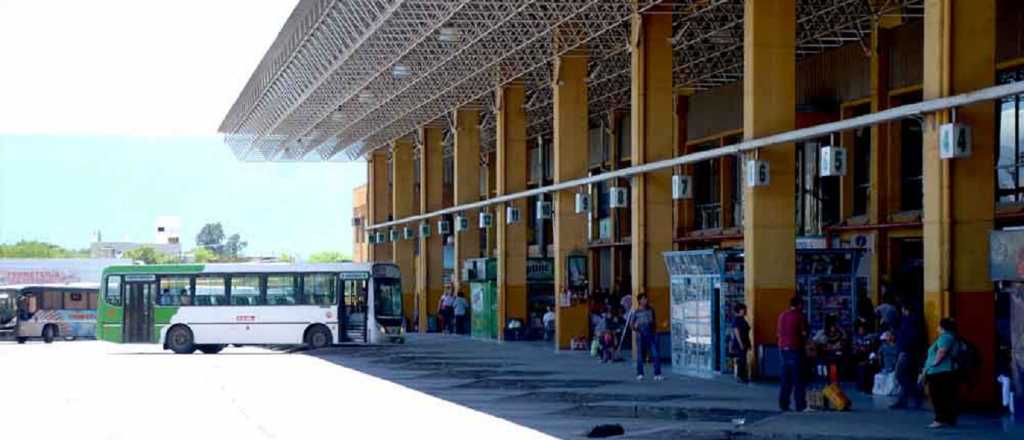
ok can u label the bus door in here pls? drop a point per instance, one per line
(354, 305)
(138, 308)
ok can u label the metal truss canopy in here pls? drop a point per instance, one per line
(346, 77)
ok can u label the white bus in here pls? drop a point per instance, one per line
(48, 311)
(205, 307)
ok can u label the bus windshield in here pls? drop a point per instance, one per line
(7, 309)
(388, 297)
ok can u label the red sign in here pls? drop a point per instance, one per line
(245, 318)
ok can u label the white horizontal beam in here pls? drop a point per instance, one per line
(893, 114)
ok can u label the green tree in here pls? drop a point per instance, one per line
(38, 249)
(329, 257)
(204, 255)
(234, 247)
(149, 255)
(211, 236)
(286, 258)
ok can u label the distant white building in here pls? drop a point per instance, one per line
(167, 241)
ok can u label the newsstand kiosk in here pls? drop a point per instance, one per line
(705, 284)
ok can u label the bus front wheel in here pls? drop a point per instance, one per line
(49, 333)
(21, 339)
(318, 337)
(179, 340)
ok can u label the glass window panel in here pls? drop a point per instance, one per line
(211, 291)
(76, 300)
(319, 289)
(245, 291)
(281, 290)
(112, 295)
(175, 291)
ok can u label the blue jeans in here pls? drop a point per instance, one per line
(648, 345)
(793, 380)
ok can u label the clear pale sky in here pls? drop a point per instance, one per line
(108, 119)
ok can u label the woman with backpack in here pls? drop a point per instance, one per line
(940, 375)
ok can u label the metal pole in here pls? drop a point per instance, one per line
(893, 114)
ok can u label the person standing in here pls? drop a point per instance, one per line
(792, 333)
(940, 375)
(442, 319)
(459, 308)
(643, 325)
(549, 324)
(909, 340)
(741, 342)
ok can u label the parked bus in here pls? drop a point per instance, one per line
(208, 306)
(48, 311)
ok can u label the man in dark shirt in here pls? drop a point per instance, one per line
(909, 341)
(741, 341)
(792, 332)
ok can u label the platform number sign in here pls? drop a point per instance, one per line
(486, 220)
(582, 203)
(954, 141)
(408, 233)
(512, 215)
(758, 173)
(424, 229)
(394, 234)
(833, 161)
(444, 227)
(682, 187)
(461, 223)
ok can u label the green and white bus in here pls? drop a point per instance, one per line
(209, 306)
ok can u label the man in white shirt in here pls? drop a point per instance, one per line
(549, 324)
(460, 306)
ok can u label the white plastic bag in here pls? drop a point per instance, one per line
(885, 384)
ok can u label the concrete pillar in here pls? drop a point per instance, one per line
(403, 205)
(467, 188)
(959, 57)
(379, 201)
(651, 130)
(769, 107)
(511, 169)
(877, 209)
(571, 148)
(430, 269)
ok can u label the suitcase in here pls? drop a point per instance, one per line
(837, 399)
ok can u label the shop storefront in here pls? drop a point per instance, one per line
(706, 284)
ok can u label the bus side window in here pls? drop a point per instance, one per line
(319, 289)
(112, 294)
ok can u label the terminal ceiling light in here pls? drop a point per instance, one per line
(400, 71)
(449, 35)
(366, 97)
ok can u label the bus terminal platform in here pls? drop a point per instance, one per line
(567, 393)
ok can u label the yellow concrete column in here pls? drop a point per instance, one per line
(379, 201)
(511, 170)
(467, 188)
(491, 191)
(651, 129)
(403, 205)
(571, 148)
(769, 107)
(877, 209)
(430, 269)
(959, 194)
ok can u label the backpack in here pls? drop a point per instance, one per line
(966, 358)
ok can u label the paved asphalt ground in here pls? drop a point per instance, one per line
(434, 386)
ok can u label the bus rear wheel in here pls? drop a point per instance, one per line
(318, 337)
(179, 340)
(210, 349)
(49, 333)
(21, 339)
